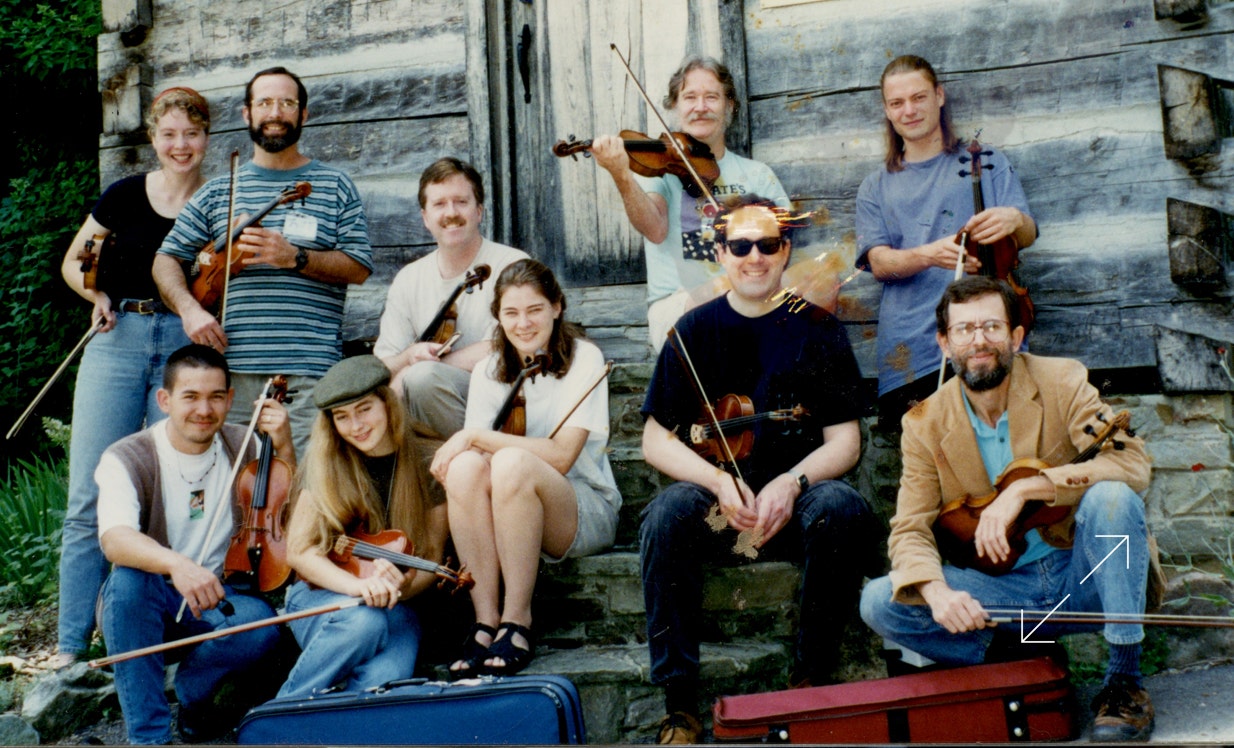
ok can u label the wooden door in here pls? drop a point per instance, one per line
(559, 77)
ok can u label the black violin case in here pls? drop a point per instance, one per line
(1006, 702)
(515, 710)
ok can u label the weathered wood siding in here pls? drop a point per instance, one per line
(389, 92)
(1069, 90)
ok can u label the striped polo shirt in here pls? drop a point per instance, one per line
(278, 320)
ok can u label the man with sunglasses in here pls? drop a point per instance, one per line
(785, 499)
(1003, 405)
(284, 311)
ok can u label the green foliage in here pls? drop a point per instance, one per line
(50, 39)
(48, 177)
(32, 502)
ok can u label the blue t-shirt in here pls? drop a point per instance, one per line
(902, 210)
(277, 319)
(994, 444)
(686, 258)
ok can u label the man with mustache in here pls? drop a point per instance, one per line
(432, 380)
(284, 311)
(1003, 405)
(159, 492)
(908, 215)
(676, 221)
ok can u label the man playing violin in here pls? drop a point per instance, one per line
(676, 221)
(1003, 405)
(434, 381)
(908, 215)
(788, 500)
(283, 314)
(159, 492)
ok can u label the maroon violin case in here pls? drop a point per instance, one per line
(1028, 700)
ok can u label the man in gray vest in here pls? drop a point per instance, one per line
(159, 492)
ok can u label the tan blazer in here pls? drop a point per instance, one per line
(1049, 404)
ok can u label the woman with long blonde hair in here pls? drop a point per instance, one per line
(363, 474)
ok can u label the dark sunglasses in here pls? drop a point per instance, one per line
(768, 245)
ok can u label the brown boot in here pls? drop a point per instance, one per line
(1124, 712)
(679, 728)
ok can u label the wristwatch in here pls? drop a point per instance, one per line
(301, 259)
(802, 481)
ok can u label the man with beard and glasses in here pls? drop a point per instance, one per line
(434, 382)
(1003, 406)
(677, 223)
(284, 311)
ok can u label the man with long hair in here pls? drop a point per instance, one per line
(908, 215)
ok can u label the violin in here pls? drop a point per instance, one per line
(734, 424)
(210, 271)
(441, 328)
(512, 418)
(355, 555)
(655, 157)
(957, 521)
(88, 256)
(257, 556)
(1001, 257)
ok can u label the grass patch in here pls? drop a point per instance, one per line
(33, 497)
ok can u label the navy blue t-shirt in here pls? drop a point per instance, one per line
(794, 355)
(125, 267)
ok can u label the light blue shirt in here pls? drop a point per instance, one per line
(994, 443)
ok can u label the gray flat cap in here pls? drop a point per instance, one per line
(349, 380)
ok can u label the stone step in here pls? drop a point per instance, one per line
(599, 600)
(621, 706)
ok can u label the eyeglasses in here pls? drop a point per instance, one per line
(993, 330)
(768, 245)
(290, 105)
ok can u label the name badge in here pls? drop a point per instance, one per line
(300, 226)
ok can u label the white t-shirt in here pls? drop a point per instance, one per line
(192, 486)
(418, 291)
(548, 399)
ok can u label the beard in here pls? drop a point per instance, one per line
(275, 143)
(981, 380)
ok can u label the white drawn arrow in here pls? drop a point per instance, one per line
(1024, 638)
(1125, 539)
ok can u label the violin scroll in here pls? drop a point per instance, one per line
(88, 256)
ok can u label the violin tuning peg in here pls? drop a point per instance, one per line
(965, 173)
(1129, 432)
(1090, 430)
(1101, 417)
(964, 159)
(1119, 446)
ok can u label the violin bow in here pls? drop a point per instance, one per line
(959, 272)
(231, 479)
(684, 356)
(55, 377)
(608, 367)
(231, 215)
(220, 633)
(1011, 615)
(681, 154)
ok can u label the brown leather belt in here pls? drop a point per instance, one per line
(145, 306)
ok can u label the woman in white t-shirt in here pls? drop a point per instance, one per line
(511, 498)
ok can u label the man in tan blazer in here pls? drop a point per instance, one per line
(1005, 406)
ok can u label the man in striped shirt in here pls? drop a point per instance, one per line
(283, 313)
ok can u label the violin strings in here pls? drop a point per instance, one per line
(372, 551)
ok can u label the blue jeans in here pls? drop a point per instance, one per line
(120, 372)
(832, 530)
(358, 647)
(139, 610)
(1118, 586)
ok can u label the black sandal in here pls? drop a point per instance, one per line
(516, 658)
(474, 653)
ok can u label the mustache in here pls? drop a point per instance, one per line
(453, 221)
